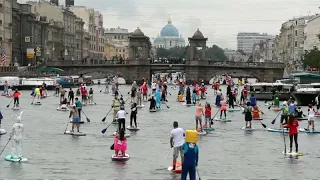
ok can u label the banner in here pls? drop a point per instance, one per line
(30, 53)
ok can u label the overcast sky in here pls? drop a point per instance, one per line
(219, 20)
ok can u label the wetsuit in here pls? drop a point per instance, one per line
(188, 96)
(133, 116)
(231, 100)
(71, 96)
(191, 157)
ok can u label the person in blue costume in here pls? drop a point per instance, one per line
(158, 99)
(253, 101)
(194, 96)
(218, 97)
(32, 92)
(292, 107)
(181, 89)
(190, 162)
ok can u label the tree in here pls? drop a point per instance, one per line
(312, 57)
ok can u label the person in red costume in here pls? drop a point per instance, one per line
(293, 125)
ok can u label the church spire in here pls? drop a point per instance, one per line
(169, 20)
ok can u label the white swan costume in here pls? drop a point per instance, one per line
(16, 133)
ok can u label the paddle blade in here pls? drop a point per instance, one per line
(104, 119)
(273, 121)
(264, 126)
(8, 105)
(112, 147)
(88, 120)
(104, 130)
(269, 107)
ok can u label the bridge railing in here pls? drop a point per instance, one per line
(193, 62)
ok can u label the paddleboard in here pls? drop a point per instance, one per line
(178, 168)
(278, 130)
(3, 132)
(62, 109)
(208, 128)
(276, 109)
(152, 110)
(232, 110)
(120, 158)
(115, 122)
(132, 128)
(75, 133)
(80, 122)
(188, 104)
(91, 103)
(16, 108)
(258, 119)
(302, 119)
(308, 131)
(37, 103)
(181, 101)
(125, 135)
(10, 158)
(203, 98)
(140, 106)
(222, 120)
(202, 133)
(248, 129)
(292, 153)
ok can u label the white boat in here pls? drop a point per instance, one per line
(38, 81)
(306, 93)
(11, 80)
(263, 91)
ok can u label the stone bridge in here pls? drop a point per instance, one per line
(195, 70)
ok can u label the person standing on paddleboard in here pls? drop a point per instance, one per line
(71, 96)
(121, 116)
(292, 107)
(223, 109)
(285, 114)
(37, 94)
(276, 101)
(190, 161)
(62, 93)
(74, 113)
(248, 115)
(188, 96)
(207, 115)
(144, 89)
(16, 96)
(176, 142)
(198, 116)
(293, 125)
(78, 105)
(317, 101)
(16, 133)
(152, 103)
(218, 98)
(133, 115)
(138, 96)
(116, 107)
(311, 117)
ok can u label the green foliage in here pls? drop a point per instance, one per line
(312, 58)
(214, 53)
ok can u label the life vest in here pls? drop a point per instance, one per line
(286, 110)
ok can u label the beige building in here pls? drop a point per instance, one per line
(117, 43)
(312, 31)
(6, 32)
(93, 25)
(79, 38)
(290, 42)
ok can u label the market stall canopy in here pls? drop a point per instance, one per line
(50, 70)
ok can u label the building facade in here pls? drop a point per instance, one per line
(311, 32)
(6, 32)
(234, 55)
(247, 40)
(79, 38)
(290, 42)
(116, 43)
(169, 37)
(93, 26)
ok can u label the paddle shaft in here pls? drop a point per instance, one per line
(198, 173)
(66, 126)
(5, 146)
(284, 141)
(10, 102)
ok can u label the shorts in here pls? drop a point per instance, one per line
(311, 118)
(75, 120)
(176, 151)
(207, 118)
(198, 118)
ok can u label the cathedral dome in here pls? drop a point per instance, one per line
(169, 30)
(159, 40)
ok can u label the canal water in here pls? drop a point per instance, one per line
(227, 153)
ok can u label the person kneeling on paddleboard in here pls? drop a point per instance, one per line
(223, 109)
(293, 125)
(120, 144)
(152, 103)
(75, 118)
(285, 113)
(176, 142)
(190, 161)
(256, 113)
(248, 115)
(299, 113)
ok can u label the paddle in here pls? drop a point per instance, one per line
(10, 103)
(166, 105)
(198, 173)
(88, 120)
(105, 129)
(214, 117)
(264, 126)
(274, 120)
(284, 140)
(66, 126)
(5, 146)
(104, 119)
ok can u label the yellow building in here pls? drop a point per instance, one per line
(113, 50)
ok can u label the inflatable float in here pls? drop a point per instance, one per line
(178, 168)
(120, 158)
(278, 130)
(133, 128)
(2, 132)
(15, 159)
(232, 110)
(292, 153)
(247, 129)
(308, 131)
(75, 133)
(62, 109)
(222, 120)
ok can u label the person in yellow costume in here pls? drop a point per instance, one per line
(116, 107)
(38, 95)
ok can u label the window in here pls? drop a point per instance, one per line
(296, 33)
(115, 37)
(295, 44)
(121, 37)
(116, 50)
(123, 50)
(170, 43)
